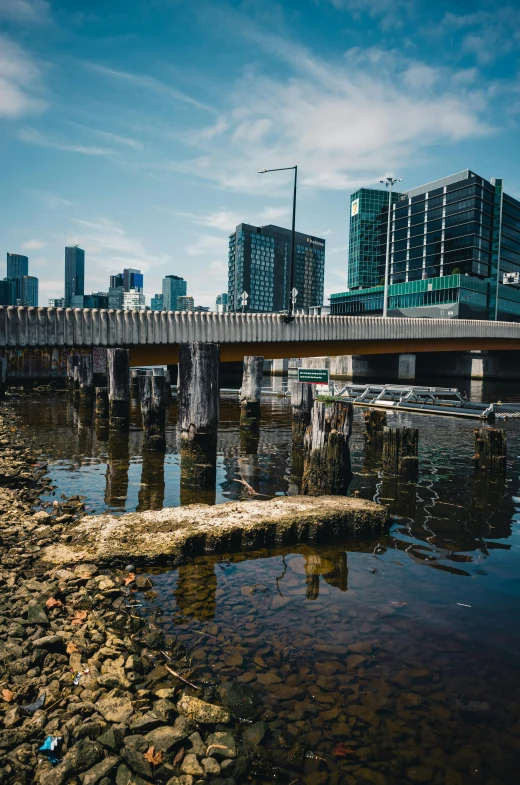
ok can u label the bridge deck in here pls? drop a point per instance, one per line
(154, 336)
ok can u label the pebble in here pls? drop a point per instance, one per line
(203, 712)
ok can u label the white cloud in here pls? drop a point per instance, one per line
(125, 141)
(208, 244)
(226, 220)
(33, 245)
(32, 136)
(344, 124)
(20, 81)
(50, 200)
(25, 11)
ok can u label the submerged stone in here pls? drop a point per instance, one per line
(200, 711)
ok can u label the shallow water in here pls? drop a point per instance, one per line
(364, 657)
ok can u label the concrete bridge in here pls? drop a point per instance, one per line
(153, 337)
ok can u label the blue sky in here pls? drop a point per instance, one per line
(136, 128)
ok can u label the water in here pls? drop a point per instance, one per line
(393, 661)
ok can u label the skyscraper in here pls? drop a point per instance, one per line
(259, 264)
(74, 273)
(134, 300)
(156, 303)
(30, 290)
(7, 292)
(133, 279)
(17, 267)
(221, 302)
(173, 286)
(454, 251)
(185, 303)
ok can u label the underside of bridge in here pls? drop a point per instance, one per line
(168, 354)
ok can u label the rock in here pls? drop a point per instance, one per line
(144, 723)
(41, 516)
(137, 762)
(255, 733)
(164, 738)
(200, 711)
(190, 765)
(221, 745)
(36, 615)
(197, 745)
(114, 708)
(240, 700)
(133, 663)
(112, 739)
(125, 777)
(372, 776)
(84, 755)
(210, 766)
(53, 643)
(420, 774)
(165, 710)
(100, 770)
(136, 743)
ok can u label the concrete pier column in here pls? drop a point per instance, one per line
(280, 367)
(406, 368)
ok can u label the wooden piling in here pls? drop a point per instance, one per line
(3, 377)
(250, 392)
(135, 374)
(167, 384)
(75, 385)
(118, 389)
(85, 374)
(198, 406)
(102, 408)
(490, 450)
(72, 361)
(302, 400)
(375, 421)
(401, 452)
(152, 394)
(327, 467)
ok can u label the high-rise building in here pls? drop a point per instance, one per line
(454, 251)
(173, 286)
(117, 281)
(134, 300)
(133, 279)
(115, 297)
(30, 290)
(259, 264)
(185, 303)
(17, 267)
(221, 302)
(156, 303)
(74, 273)
(8, 292)
(92, 300)
(57, 302)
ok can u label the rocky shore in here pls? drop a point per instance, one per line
(90, 691)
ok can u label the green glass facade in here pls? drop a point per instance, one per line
(462, 227)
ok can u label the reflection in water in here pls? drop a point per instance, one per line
(331, 565)
(400, 497)
(196, 589)
(151, 492)
(118, 464)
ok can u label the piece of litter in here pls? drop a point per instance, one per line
(31, 708)
(463, 605)
(50, 748)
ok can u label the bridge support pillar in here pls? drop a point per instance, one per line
(250, 392)
(406, 367)
(279, 367)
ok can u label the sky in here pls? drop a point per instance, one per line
(137, 128)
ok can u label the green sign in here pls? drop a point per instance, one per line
(313, 375)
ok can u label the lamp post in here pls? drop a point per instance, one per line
(290, 303)
(389, 182)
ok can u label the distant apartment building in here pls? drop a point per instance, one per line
(134, 300)
(92, 300)
(156, 303)
(173, 286)
(74, 273)
(221, 303)
(185, 303)
(454, 251)
(201, 309)
(259, 264)
(57, 302)
(17, 268)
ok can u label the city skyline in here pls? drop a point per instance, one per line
(122, 137)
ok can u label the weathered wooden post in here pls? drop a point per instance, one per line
(400, 452)
(490, 450)
(3, 377)
(85, 379)
(102, 408)
(152, 395)
(135, 374)
(251, 392)
(167, 384)
(118, 389)
(327, 454)
(198, 404)
(375, 421)
(75, 385)
(302, 400)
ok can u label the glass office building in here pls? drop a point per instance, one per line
(74, 273)
(17, 268)
(173, 286)
(30, 290)
(156, 302)
(454, 252)
(259, 262)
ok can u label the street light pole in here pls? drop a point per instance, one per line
(290, 303)
(389, 182)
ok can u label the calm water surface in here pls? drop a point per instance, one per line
(393, 661)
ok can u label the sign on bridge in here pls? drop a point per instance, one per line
(313, 375)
